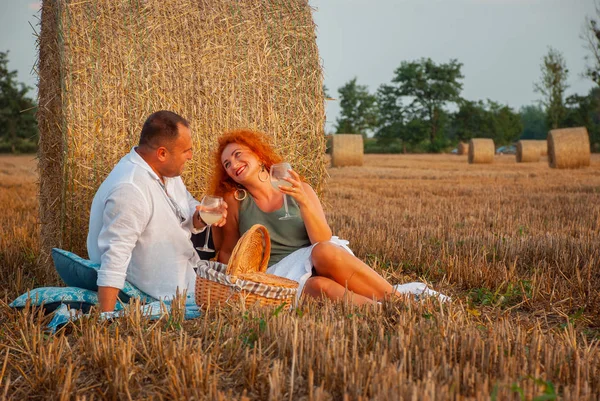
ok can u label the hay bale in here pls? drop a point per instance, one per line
(543, 145)
(106, 65)
(528, 151)
(347, 150)
(481, 150)
(463, 148)
(569, 148)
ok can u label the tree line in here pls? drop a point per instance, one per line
(422, 110)
(18, 126)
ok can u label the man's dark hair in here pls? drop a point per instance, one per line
(161, 128)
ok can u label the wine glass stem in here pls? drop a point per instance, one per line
(285, 204)
(207, 235)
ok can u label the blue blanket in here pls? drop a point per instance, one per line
(153, 311)
(72, 302)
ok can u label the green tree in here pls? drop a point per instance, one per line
(358, 113)
(591, 37)
(430, 87)
(470, 121)
(583, 111)
(18, 127)
(391, 115)
(552, 86)
(534, 122)
(505, 124)
(486, 120)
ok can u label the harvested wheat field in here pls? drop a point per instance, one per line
(515, 245)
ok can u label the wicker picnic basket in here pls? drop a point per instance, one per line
(244, 277)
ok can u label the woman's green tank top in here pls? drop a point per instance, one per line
(287, 236)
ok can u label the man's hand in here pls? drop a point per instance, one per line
(199, 223)
(107, 296)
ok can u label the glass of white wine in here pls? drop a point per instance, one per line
(278, 173)
(211, 213)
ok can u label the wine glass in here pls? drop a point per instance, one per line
(211, 213)
(278, 173)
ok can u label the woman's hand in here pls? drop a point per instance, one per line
(310, 208)
(199, 223)
(297, 190)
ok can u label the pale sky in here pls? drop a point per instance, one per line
(500, 42)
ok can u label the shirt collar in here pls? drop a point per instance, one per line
(135, 158)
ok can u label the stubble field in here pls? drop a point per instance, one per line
(516, 246)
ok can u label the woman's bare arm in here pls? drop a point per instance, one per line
(228, 235)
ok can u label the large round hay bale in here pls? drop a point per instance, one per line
(347, 150)
(106, 65)
(569, 148)
(481, 150)
(463, 148)
(528, 151)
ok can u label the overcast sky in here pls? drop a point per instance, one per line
(500, 42)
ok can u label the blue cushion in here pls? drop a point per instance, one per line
(52, 297)
(76, 271)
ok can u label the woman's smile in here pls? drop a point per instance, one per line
(240, 170)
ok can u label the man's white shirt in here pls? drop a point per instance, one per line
(135, 234)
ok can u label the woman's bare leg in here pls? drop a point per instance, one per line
(319, 287)
(337, 264)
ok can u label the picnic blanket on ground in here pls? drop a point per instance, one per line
(71, 302)
(153, 311)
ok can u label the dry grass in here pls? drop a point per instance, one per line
(515, 245)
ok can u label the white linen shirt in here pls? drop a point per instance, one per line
(135, 234)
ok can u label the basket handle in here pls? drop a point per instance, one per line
(235, 261)
(264, 263)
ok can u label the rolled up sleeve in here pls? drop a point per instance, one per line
(125, 217)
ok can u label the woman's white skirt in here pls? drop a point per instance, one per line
(298, 266)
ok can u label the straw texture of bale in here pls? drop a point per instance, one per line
(106, 65)
(347, 150)
(569, 148)
(481, 150)
(463, 148)
(528, 151)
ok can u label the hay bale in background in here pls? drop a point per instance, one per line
(543, 145)
(347, 150)
(106, 65)
(481, 150)
(463, 148)
(528, 151)
(569, 148)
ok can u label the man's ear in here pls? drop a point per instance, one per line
(161, 153)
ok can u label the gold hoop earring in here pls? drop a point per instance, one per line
(262, 170)
(239, 197)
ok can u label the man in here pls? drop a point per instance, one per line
(142, 216)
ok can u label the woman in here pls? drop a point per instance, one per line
(302, 248)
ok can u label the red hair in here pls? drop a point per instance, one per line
(257, 142)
